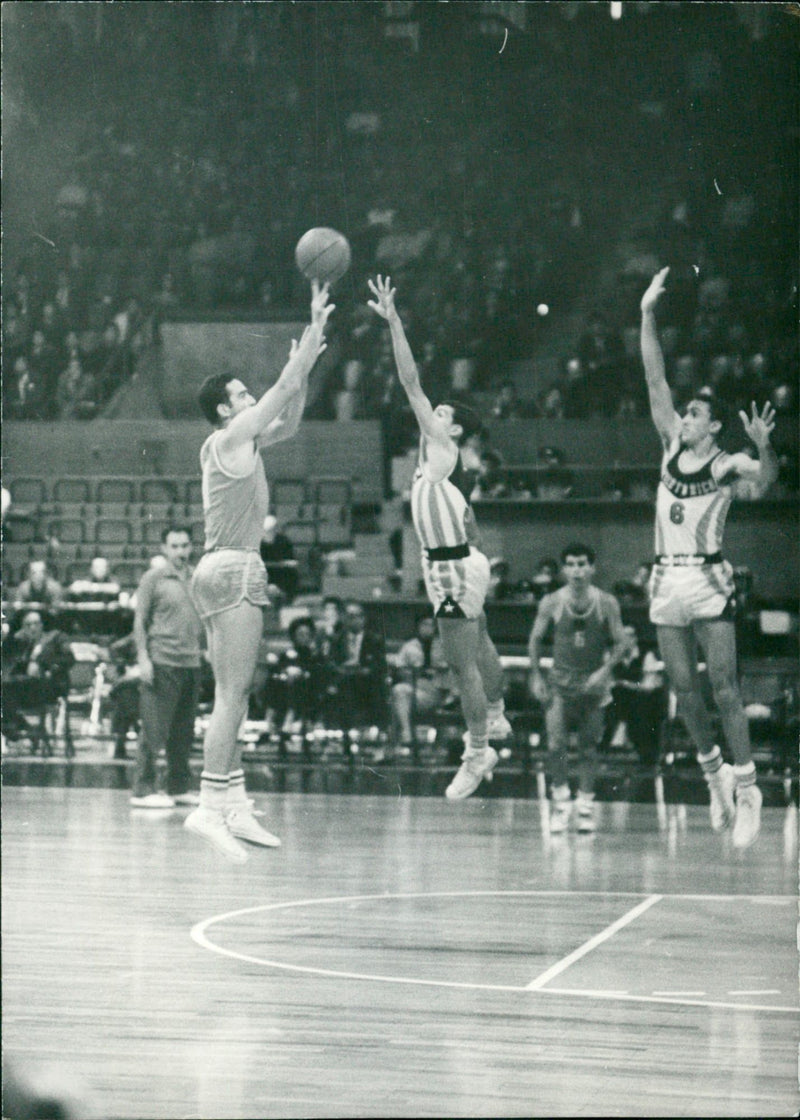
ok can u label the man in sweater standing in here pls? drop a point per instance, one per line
(168, 634)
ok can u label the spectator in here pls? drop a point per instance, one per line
(98, 587)
(168, 635)
(639, 700)
(602, 356)
(24, 397)
(359, 667)
(421, 681)
(76, 394)
(43, 362)
(123, 697)
(500, 585)
(348, 401)
(331, 626)
(552, 404)
(36, 665)
(40, 588)
(295, 689)
(277, 552)
(545, 578)
(507, 405)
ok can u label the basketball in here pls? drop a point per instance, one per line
(323, 254)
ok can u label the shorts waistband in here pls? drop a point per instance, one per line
(689, 559)
(453, 552)
(232, 548)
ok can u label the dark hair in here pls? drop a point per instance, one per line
(214, 392)
(577, 550)
(468, 420)
(717, 408)
(165, 532)
(303, 620)
(335, 599)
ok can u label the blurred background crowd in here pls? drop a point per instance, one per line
(517, 174)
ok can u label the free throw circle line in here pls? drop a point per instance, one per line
(199, 936)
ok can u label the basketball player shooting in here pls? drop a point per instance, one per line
(692, 593)
(456, 572)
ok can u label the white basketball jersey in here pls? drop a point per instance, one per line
(691, 509)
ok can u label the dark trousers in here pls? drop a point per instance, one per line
(167, 708)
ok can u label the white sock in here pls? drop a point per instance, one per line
(213, 790)
(237, 794)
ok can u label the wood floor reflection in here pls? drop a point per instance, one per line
(402, 957)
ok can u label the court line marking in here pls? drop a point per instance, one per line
(199, 936)
(598, 939)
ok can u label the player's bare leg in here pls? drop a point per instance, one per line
(678, 649)
(718, 639)
(491, 671)
(460, 645)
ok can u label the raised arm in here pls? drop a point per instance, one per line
(430, 425)
(253, 424)
(748, 477)
(662, 409)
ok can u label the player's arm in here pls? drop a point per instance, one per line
(286, 422)
(141, 620)
(599, 680)
(536, 680)
(430, 425)
(253, 423)
(749, 477)
(662, 409)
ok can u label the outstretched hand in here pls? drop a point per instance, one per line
(383, 304)
(320, 308)
(655, 291)
(759, 427)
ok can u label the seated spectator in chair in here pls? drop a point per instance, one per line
(277, 552)
(359, 672)
(39, 588)
(98, 587)
(23, 393)
(331, 626)
(296, 686)
(123, 698)
(639, 704)
(36, 665)
(421, 681)
(76, 394)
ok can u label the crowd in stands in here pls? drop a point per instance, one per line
(191, 190)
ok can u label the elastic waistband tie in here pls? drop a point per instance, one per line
(454, 552)
(689, 559)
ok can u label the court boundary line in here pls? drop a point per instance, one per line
(199, 936)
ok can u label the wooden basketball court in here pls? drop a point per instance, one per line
(402, 957)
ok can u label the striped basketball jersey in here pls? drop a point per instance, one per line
(234, 506)
(440, 510)
(580, 638)
(691, 508)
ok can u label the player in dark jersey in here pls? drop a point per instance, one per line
(588, 641)
(456, 571)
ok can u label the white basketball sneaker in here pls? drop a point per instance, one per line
(210, 825)
(722, 807)
(748, 816)
(475, 766)
(242, 823)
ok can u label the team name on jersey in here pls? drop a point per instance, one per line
(687, 489)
